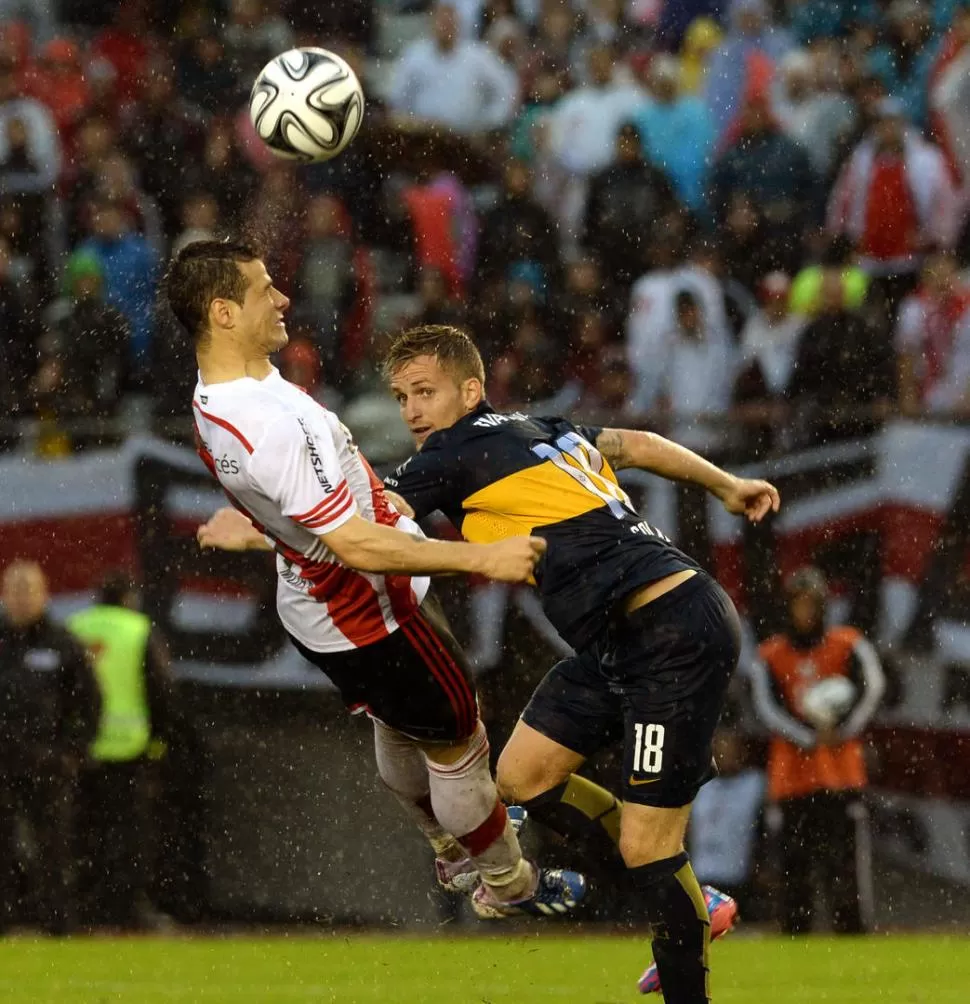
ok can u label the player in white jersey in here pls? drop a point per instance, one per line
(353, 591)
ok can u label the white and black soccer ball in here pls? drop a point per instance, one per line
(825, 703)
(307, 104)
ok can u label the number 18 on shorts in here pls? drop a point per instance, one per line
(648, 754)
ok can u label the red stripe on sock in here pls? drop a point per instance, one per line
(483, 836)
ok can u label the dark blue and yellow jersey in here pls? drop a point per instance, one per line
(497, 476)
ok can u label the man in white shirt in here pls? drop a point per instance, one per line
(448, 81)
(353, 591)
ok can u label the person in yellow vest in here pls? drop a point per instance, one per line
(131, 667)
(815, 688)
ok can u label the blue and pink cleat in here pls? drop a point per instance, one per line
(723, 911)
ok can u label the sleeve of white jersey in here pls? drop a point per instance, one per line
(296, 465)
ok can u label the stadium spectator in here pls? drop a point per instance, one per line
(325, 280)
(747, 244)
(694, 393)
(203, 73)
(130, 269)
(744, 60)
(300, 364)
(452, 82)
(37, 17)
(18, 344)
(894, 200)
(624, 202)
(724, 829)
(352, 21)
(932, 339)
(904, 61)
(127, 41)
(769, 340)
(436, 304)
(530, 370)
(774, 172)
(30, 150)
(117, 841)
(813, 115)
(701, 39)
(165, 135)
(806, 290)
(677, 132)
(771, 335)
(252, 35)
(844, 380)
(48, 714)
(200, 220)
(58, 79)
(558, 43)
(816, 765)
(518, 236)
(527, 138)
(585, 121)
(95, 140)
(84, 352)
(949, 96)
(224, 172)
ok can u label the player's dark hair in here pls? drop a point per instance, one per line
(451, 346)
(115, 589)
(204, 271)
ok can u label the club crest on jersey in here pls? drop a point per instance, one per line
(316, 460)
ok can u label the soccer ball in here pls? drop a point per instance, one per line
(306, 104)
(824, 703)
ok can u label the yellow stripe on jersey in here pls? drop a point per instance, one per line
(553, 491)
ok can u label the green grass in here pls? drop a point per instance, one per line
(335, 969)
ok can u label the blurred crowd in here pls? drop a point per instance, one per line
(672, 213)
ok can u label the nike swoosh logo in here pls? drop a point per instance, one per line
(633, 782)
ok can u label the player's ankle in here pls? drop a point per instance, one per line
(513, 884)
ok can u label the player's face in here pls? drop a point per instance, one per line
(24, 593)
(262, 311)
(431, 398)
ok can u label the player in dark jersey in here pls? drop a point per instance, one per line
(656, 638)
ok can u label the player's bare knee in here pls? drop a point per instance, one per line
(649, 834)
(519, 779)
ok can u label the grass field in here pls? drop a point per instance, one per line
(526, 969)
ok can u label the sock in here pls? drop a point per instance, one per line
(466, 803)
(584, 814)
(404, 771)
(674, 905)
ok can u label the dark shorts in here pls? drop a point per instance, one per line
(415, 681)
(658, 678)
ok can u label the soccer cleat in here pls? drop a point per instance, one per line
(723, 911)
(518, 817)
(459, 877)
(556, 893)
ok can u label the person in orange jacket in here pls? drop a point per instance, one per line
(815, 688)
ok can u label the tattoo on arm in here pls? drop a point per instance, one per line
(610, 443)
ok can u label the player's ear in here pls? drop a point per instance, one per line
(221, 313)
(472, 393)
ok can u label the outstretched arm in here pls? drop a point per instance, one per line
(650, 452)
(370, 547)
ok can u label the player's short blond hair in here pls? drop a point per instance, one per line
(452, 347)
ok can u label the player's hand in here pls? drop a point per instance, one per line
(229, 530)
(513, 559)
(751, 498)
(399, 503)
